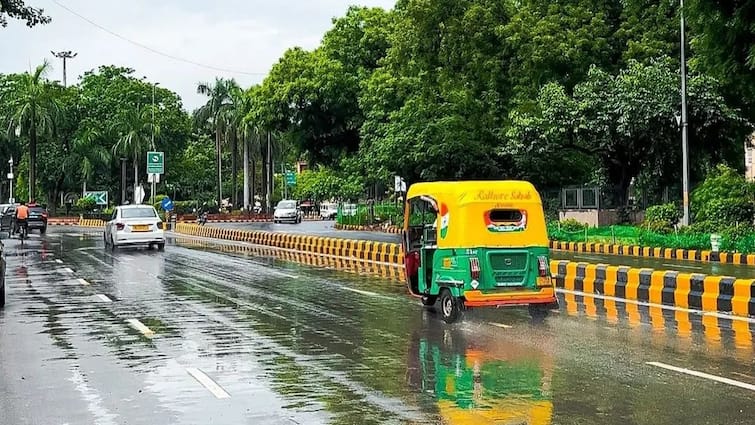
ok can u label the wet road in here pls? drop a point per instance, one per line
(325, 228)
(193, 335)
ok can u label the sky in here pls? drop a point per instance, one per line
(245, 38)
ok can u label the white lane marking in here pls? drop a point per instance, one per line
(358, 291)
(97, 259)
(661, 306)
(59, 261)
(83, 282)
(501, 325)
(93, 400)
(104, 298)
(139, 326)
(704, 375)
(681, 266)
(208, 383)
(89, 248)
(68, 270)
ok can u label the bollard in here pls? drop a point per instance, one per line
(715, 246)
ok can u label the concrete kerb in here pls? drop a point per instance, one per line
(655, 252)
(716, 294)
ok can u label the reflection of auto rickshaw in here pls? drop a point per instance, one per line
(473, 383)
(477, 243)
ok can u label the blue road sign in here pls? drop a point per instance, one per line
(166, 204)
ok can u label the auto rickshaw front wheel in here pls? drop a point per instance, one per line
(450, 306)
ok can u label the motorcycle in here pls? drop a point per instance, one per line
(203, 219)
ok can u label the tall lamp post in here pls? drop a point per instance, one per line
(685, 147)
(10, 178)
(64, 55)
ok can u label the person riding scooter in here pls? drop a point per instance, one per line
(22, 216)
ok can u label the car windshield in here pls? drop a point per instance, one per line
(138, 213)
(286, 205)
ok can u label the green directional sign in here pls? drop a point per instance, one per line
(290, 178)
(155, 163)
(99, 197)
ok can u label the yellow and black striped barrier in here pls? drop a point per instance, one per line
(671, 288)
(344, 263)
(650, 252)
(662, 287)
(86, 222)
(362, 228)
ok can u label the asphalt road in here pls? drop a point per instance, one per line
(325, 228)
(194, 335)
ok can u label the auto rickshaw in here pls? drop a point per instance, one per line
(477, 244)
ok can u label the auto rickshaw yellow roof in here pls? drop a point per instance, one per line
(472, 191)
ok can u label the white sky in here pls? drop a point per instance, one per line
(248, 36)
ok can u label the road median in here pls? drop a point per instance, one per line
(718, 294)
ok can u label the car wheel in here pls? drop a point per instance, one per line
(43, 230)
(450, 307)
(2, 294)
(112, 243)
(104, 238)
(161, 246)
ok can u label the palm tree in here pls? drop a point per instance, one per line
(136, 132)
(34, 111)
(89, 154)
(215, 114)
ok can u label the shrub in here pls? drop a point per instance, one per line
(661, 218)
(572, 225)
(725, 198)
(86, 204)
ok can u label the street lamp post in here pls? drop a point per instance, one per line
(10, 178)
(64, 55)
(685, 147)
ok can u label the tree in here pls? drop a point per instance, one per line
(625, 122)
(16, 9)
(34, 110)
(723, 38)
(89, 154)
(214, 113)
(135, 131)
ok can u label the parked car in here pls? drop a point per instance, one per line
(7, 219)
(287, 210)
(134, 225)
(37, 218)
(328, 211)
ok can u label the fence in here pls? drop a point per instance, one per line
(370, 214)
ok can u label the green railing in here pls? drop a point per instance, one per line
(363, 214)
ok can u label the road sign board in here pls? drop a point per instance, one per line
(153, 178)
(99, 196)
(166, 204)
(155, 163)
(290, 178)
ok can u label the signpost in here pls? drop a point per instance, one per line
(99, 197)
(290, 178)
(155, 167)
(166, 204)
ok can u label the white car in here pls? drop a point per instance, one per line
(328, 211)
(287, 210)
(135, 225)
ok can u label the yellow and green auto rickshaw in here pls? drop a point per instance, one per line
(477, 243)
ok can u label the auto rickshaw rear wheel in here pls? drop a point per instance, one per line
(538, 311)
(429, 300)
(450, 306)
